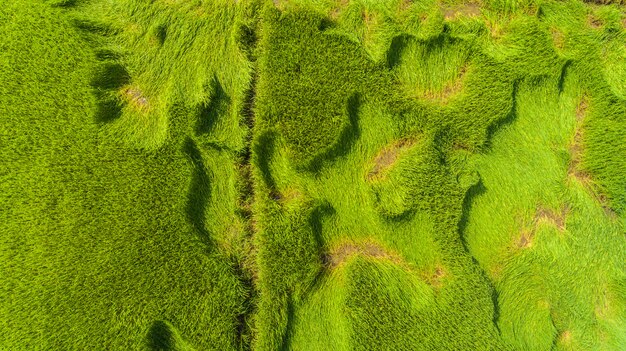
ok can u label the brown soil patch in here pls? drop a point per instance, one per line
(610, 213)
(461, 145)
(449, 90)
(525, 239)
(594, 22)
(370, 249)
(254, 224)
(581, 109)
(136, 97)
(435, 277)
(576, 148)
(542, 214)
(462, 10)
(532, 10)
(249, 261)
(388, 157)
(555, 218)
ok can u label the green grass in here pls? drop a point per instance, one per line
(105, 246)
(313, 175)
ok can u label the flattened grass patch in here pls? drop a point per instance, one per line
(368, 248)
(387, 158)
(576, 147)
(135, 98)
(436, 276)
(557, 219)
(454, 12)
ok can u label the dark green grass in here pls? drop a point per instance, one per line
(312, 175)
(106, 247)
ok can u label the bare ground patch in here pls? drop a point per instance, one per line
(371, 249)
(435, 277)
(576, 147)
(604, 202)
(454, 12)
(556, 219)
(525, 239)
(279, 4)
(388, 156)
(581, 108)
(594, 22)
(576, 151)
(136, 97)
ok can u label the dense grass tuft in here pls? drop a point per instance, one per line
(313, 175)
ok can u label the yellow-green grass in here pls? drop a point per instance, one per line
(368, 235)
(313, 175)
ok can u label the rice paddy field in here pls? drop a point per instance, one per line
(181, 175)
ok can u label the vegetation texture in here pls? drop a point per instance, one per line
(313, 175)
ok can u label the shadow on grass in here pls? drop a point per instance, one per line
(286, 342)
(199, 191)
(91, 26)
(499, 124)
(346, 140)
(264, 148)
(394, 53)
(108, 78)
(322, 210)
(247, 40)
(479, 189)
(473, 192)
(210, 112)
(63, 3)
(163, 337)
(564, 69)
(404, 217)
(160, 33)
